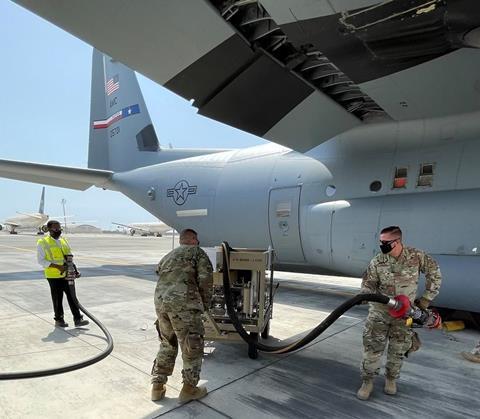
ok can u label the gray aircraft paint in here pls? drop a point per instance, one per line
(337, 233)
(135, 136)
(41, 206)
(271, 195)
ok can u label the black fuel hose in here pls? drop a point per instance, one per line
(70, 367)
(310, 336)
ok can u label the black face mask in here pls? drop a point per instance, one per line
(386, 246)
(56, 234)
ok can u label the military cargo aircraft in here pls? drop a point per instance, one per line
(372, 109)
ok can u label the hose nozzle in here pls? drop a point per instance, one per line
(398, 306)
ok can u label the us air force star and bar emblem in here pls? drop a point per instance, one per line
(180, 192)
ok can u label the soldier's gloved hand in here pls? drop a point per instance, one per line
(422, 303)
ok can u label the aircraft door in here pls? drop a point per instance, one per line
(284, 223)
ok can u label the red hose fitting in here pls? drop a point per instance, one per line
(401, 308)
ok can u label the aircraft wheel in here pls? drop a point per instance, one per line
(252, 349)
(266, 330)
(13, 232)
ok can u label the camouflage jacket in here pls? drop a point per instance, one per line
(184, 280)
(390, 276)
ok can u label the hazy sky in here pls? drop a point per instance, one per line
(44, 117)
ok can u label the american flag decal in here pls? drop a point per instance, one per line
(112, 85)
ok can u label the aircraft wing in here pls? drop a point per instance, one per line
(122, 225)
(11, 224)
(295, 72)
(131, 227)
(64, 177)
(30, 215)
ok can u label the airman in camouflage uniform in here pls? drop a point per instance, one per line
(183, 292)
(393, 272)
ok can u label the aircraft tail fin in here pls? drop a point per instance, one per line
(122, 136)
(41, 208)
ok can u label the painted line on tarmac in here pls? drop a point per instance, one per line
(77, 257)
(18, 248)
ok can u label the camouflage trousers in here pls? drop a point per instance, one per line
(380, 329)
(186, 328)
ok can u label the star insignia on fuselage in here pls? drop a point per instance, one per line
(181, 191)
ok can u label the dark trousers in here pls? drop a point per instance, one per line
(58, 286)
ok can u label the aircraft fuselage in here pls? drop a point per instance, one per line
(319, 211)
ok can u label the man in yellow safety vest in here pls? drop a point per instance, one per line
(51, 251)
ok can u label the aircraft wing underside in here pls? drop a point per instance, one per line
(296, 72)
(64, 177)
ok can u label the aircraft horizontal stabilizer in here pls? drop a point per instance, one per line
(62, 176)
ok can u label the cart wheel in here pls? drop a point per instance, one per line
(266, 330)
(252, 349)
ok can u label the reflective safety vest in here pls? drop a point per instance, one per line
(54, 254)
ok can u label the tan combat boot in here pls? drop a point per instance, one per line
(190, 392)
(158, 391)
(471, 357)
(390, 386)
(365, 390)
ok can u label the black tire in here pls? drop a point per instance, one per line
(252, 348)
(266, 330)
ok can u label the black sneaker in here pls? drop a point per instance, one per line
(61, 323)
(81, 322)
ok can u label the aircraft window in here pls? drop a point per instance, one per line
(400, 180)
(425, 177)
(330, 190)
(375, 186)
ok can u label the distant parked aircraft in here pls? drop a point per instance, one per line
(27, 220)
(146, 229)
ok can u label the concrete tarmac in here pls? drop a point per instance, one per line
(319, 381)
